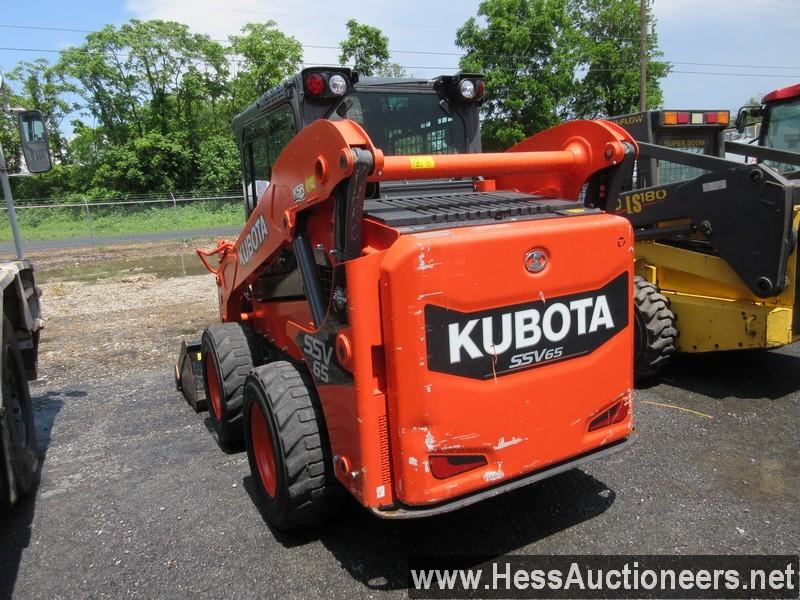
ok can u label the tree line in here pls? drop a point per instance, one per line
(149, 104)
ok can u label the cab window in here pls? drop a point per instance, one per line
(263, 141)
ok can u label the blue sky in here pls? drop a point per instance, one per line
(723, 51)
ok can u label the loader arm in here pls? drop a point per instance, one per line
(743, 210)
(330, 157)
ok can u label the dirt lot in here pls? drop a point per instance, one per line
(137, 500)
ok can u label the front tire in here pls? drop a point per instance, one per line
(19, 415)
(286, 446)
(656, 332)
(230, 351)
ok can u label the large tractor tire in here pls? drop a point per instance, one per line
(230, 351)
(287, 446)
(19, 414)
(655, 331)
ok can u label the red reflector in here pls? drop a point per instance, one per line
(315, 84)
(615, 414)
(444, 466)
(683, 118)
(480, 88)
(711, 117)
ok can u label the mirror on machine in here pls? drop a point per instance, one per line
(33, 138)
(745, 113)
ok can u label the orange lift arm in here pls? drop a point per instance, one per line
(329, 154)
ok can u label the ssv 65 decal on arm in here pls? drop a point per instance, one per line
(504, 340)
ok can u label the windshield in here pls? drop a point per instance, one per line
(783, 131)
(407, 123)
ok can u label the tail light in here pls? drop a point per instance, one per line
(714, 117)
(315, 84)
(616, 413)
(447, 465)
(480, 88)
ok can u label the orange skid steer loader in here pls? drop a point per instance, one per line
(426, 347)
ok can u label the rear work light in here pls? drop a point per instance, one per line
(328, 83)
(447, 465)
(338, 85)
(467, 89)
(462, 88)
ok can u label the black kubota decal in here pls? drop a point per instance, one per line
(504, 340)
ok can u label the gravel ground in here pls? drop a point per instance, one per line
(137, 499)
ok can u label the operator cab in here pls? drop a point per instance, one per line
(780, 127)
(403, 116)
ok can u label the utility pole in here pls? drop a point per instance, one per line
(642, 55)
(12, 213)
(9, 199)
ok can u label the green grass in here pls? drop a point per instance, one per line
(106, 221)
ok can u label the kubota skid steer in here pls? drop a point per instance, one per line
(424, 348)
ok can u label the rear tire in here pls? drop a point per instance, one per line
(230, 351)
(287, 446)
(656, 332)
(19, 414)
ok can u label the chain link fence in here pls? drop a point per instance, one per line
(86, 221)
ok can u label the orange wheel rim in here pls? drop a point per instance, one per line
(262, 449)
(213, 387)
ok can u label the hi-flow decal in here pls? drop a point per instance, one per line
(256, 236)
(504, 340)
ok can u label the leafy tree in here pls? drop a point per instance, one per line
(152, 162)
(266, 56)
(133, 79)
(218, 164)
(367, 48)
(526, 51)
(608, 50)
(154, 104)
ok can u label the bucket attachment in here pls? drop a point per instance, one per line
(189, 375)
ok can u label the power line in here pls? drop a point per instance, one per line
(393, 51)
(238, 61)
(70, 30)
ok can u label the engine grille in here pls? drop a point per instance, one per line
(450, 209)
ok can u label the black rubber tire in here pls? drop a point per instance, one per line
(234, 350)
(305, 484)
(19, 413)
(655, 330)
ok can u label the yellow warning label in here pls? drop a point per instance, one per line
(311, 183)
(575, 210)
(421, 162)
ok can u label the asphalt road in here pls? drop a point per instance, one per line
(137, 499)
(7, 249)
